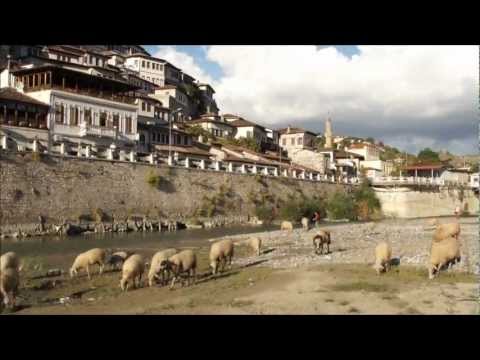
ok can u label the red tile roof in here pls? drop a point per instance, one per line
(425, 167)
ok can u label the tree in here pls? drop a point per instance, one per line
(370, 140)
(428, 155)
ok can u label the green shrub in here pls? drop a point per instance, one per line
(265, 213)
(153, 180)
(341, 206)
(98, 215)
(366, 202)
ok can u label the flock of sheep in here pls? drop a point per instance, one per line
(445, 251)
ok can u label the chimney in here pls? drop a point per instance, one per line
(288, 129)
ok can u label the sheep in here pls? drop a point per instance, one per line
(9, 281)
(132, 269)
(156, 267)
(286, 225)
(221, 252)
(90, 257)
(10, 260)
(255, 244)
(383, 256)
(443, 253)
(117, 258)
(322, 237)
(444, 231)
(184, 261)
(305, 223)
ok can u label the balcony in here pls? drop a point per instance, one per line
(91, 130)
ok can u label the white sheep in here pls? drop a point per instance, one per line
(184, 261)
(444, 231)
(10, 260)
(88, 258)
(255, 243)
(221, 252)
(9, 281)
(322, 237)
(132, 270)
(443, 253)
(156, 266)
(305, 223)
(286, 225)
(383, 256)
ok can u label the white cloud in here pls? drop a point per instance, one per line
(416, 85)
(183, 61)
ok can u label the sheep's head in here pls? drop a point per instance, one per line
(166, 265)
(73, 272)
(213, 265)
(378, 268)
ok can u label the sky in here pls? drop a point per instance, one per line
(410, 97)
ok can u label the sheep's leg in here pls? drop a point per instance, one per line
(88, 273)
(173, 281)
(101, 268)
(194, 276)
(328, 248)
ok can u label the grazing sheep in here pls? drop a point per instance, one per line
(10, 260)
(383, 256)
(322, 237)
(156, 266)
(444, 231)
(221, 252)
(132, 270)
(305, 223)
(255, 244)
(443, 253)
(184, 261)
(90, 257)
(286, 225)
(117, 259)
(9, 280)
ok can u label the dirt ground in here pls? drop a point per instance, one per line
(286, 279)
(321, 289)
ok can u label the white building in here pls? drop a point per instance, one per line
(173, 98)
(84, 109)
(158, 71)
(215, 125)
(367, 150)
(246, 129)
(292, 138)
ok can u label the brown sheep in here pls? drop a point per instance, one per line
(132, 270)
(383, 256)
(286, 225)
(444, 231)
(117, 259)
(88, 258)
(443, 253)
(322, 237)
(156, 267)
(183, 262)
(9, 281)
(221, 252)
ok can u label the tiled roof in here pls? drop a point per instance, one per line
(13, 95)
(184, 149)
(294, 130)
(425, 167)
(243, 123)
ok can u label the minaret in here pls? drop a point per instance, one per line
(328, 133)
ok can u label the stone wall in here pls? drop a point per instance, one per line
(412, 204)
(66, 188)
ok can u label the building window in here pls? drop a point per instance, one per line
(299, 141)
(136, 64)
(292, 141)
(149, 108)
(59, 113)
(284, 142)
(116, 121)
(185, 140)
(249, 134)
(143, 105)
(143, 63)
(88, 116)
(128, 124)
(103, 118)
(73, 115)
(148, 64)
(142, 139)
(161, 67)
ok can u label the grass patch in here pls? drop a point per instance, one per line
(359, 286)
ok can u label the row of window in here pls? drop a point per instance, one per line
(146, 65)
(152, 79)
(70, 115)
(164, 139)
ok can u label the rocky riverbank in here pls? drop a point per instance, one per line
(355, 243)
(139, 224)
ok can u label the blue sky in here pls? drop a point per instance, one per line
(407, 96)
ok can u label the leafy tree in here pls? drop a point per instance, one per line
(370, 140)
(341, 206)
(366, 202)
(428, 155)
